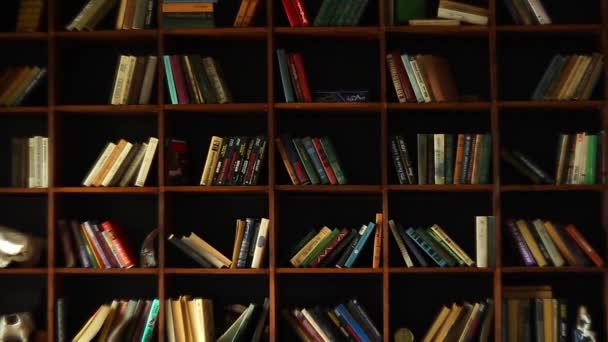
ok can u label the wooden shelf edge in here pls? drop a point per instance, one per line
(330, 188)
(217, 271)
(23, 271)
(460, 30)
(108, 34)
(550, 187)
(583, 104)
(106, 190)
(440, 270)
(220, 108)
(24, 109)
(217, 189)
(330, 107)
(128, 109)
(441, 188)
(10, 190)
(108, 271)
(330, 270)
(567, 269)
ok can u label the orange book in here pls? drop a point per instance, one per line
(187, 7)
(109, 162)
(288, 166)
(240, 15)
(377, 242)
(252, 9)
(559, 243)
(584, 245)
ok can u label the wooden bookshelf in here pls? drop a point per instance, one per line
(72, 108)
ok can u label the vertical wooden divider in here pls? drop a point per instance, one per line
(604, 122)
(271, 162)
(52, 145)
(161, 118)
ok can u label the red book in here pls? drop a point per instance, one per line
(293, 73)
(292, 15)
(316, 142)
(119, 243)
(105, 248)
(301, 13)
(330, 247)
(410, 96)
(299, 64)
(584, 245)
(178, 78)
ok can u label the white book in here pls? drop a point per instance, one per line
(315, 325)
(117, 163)
(97, 166)
(439, 160)
(169, 321)
(481, 240)
(466, 17)
(147, 162)
(44, 170)
(38, 167)
(119, 80)
(128, 80)
(539, 12)
(261, 241)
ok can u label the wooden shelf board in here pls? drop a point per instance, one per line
(218, 271)
(24, 110)
(24, 36)
(330, 107)
(112, 271)
(365, 32)
(330, 188)
(524, 269)
(109, 35)
(354, 270)
(258, 189)
(219, 32)
(442, 188)
(461, 30)
(439, 270)
(550, 187)
(583, 104)
(23, 271)
(220, 108)
(10, 190)
(106, 190)
(553, 28)
(442, 106)
(109, 109)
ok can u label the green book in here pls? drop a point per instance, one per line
(347, 13)
(486, 160)
(409, 9)
(358, 13)
(334, 17)
(436, 247)
(334, 162)
(322, 16)
(449, 158)
(445, 247)
(306, 162)
(422, 159)
(590, 160)
(320, 247)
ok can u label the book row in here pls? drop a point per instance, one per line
(192, 319)
(234, 160)
(250, 243)
(432, 245)
(130, 14)
(29, 15)
(121, 320)
(421, 78)
(348, 321)
(528, 12)
(570, 77)
(331, 13)
(544, 243)
(122, 164)
(184, 14)
(401, 12)
(310, 160)
(195, 79)
(29, 162)
(338, 247)
(94, 244)
(17, 83)
(133, 80)
(439, 163)
(462, 322)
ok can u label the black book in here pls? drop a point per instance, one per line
(359, 313)
(334, 255)
(348, 250)
(520, 166)
(532, 166)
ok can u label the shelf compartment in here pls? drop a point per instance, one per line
(25, 293)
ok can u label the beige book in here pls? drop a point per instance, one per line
(448, 323)
(119, 160)
(195, 311)
(128, 80)
(534, 249)
(437, 323)
(461, 6)
(208, 320)
(119, 80)
(400, 243)
(210, 249)
(471, 18)
(148, 82)
(560, 243)
(169, 321)
(77, 23)
(44, 167)
(121, 14)
(315, 325)
(93, 325)
(260, 243)
(434, 22)
(548, 319)
(189, 335)
(213, 155)
(580, 70)
(131, 173)
(142, 175)
(303, 253)
(178, 320)
(107, 325)
(103, 157)
(238, 240)
(453, 245)
(582, 160)
(377, 255)
(89, 13)
(527, 292)
(122, 143)
(420, 81)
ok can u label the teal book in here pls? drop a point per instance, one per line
(334, 162)
(405, 60)
(436, 247)
(352, 258)
(285, 77)
(547, 77)
(321, 17)
(170, 82)
(426, 247)
(314, 158)
(486, 160)
(409, 9)
(591, 159)
(306, 162)
(449, 158)
(151, 321)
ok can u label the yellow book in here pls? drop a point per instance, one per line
(93, 325)
(210, 249)
(525, 232)
(453, 245)
(513, 319)
(559, 243)
(448, 323)
(188, 330)
(548, 318)
(238, 239)
(107, 325)
(297, 259)
(179, 324)
(441, 316)
(377, 256)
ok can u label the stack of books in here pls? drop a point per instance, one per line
(235, 160)
(527, 12)
(131, 14)
(178, 14)
(448, 13)
(17, 83)
(250, 244)
(421, 78)
(578, 156)
(195, 79)
(122, 320)
(440, 163)
(466, 322)
(570, 77)
(94, 244)
(433, 242)
(338, 247)
(310, 160)
(463, 12)
(133, 80)
(293, 77)
(194, 318)
(331, 13)
(246, 13)
(29, 15)
(348, 322)
(545, 243)
(122, 164)
(29, 162)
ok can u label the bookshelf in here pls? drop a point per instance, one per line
(502, 64)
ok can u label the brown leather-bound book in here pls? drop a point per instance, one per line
(584, 245)
(28, 18)
(17, 79)
(447, 85)
(138, 77)
(6, 78)
(127, 22)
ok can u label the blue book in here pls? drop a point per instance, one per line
(285, 77)
(412, 246)
(547, 78)
(170, 82)
(425, 247)
(405, 59)
(342, 312)
(367, 232)
(316, 162)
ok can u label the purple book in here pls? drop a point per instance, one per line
(179, 79)
(522, 247)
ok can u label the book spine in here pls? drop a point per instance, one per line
(439, 159)
(377, 244)
(298, 259)
(118, 243)
(61, 320)
(186, 249)
(522, 247)
(539, 11)
(486, 160)
(405, 158)
(340, 263)
(261, 243)
(329, 247)
(541, 246)
(80, 244)
(285, 77)
(336, 166)
(96, 244)
(111, 250)
(357, 310)
(242, 173)
(342, 312)
(404, 81)
(301, 13)
(405, 61)
(591, 160)
(316, 142)
(397, 162)
(212, 158)
(214, 74)
(253, 159)
(134, 167)
(367, 231)
(290, 12)
(314, 158)
(245, 245)
(400, 244)
(149, 328)
(584, 245)
(426, 247)
(147, 162)
(422, 158)
(299, 65)
(293, 73)
(306, 162)
(439, 247)
(392, 68)
(481, 240)
(180, 83)
(30, 87)
(294, 159)
(471, 163)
